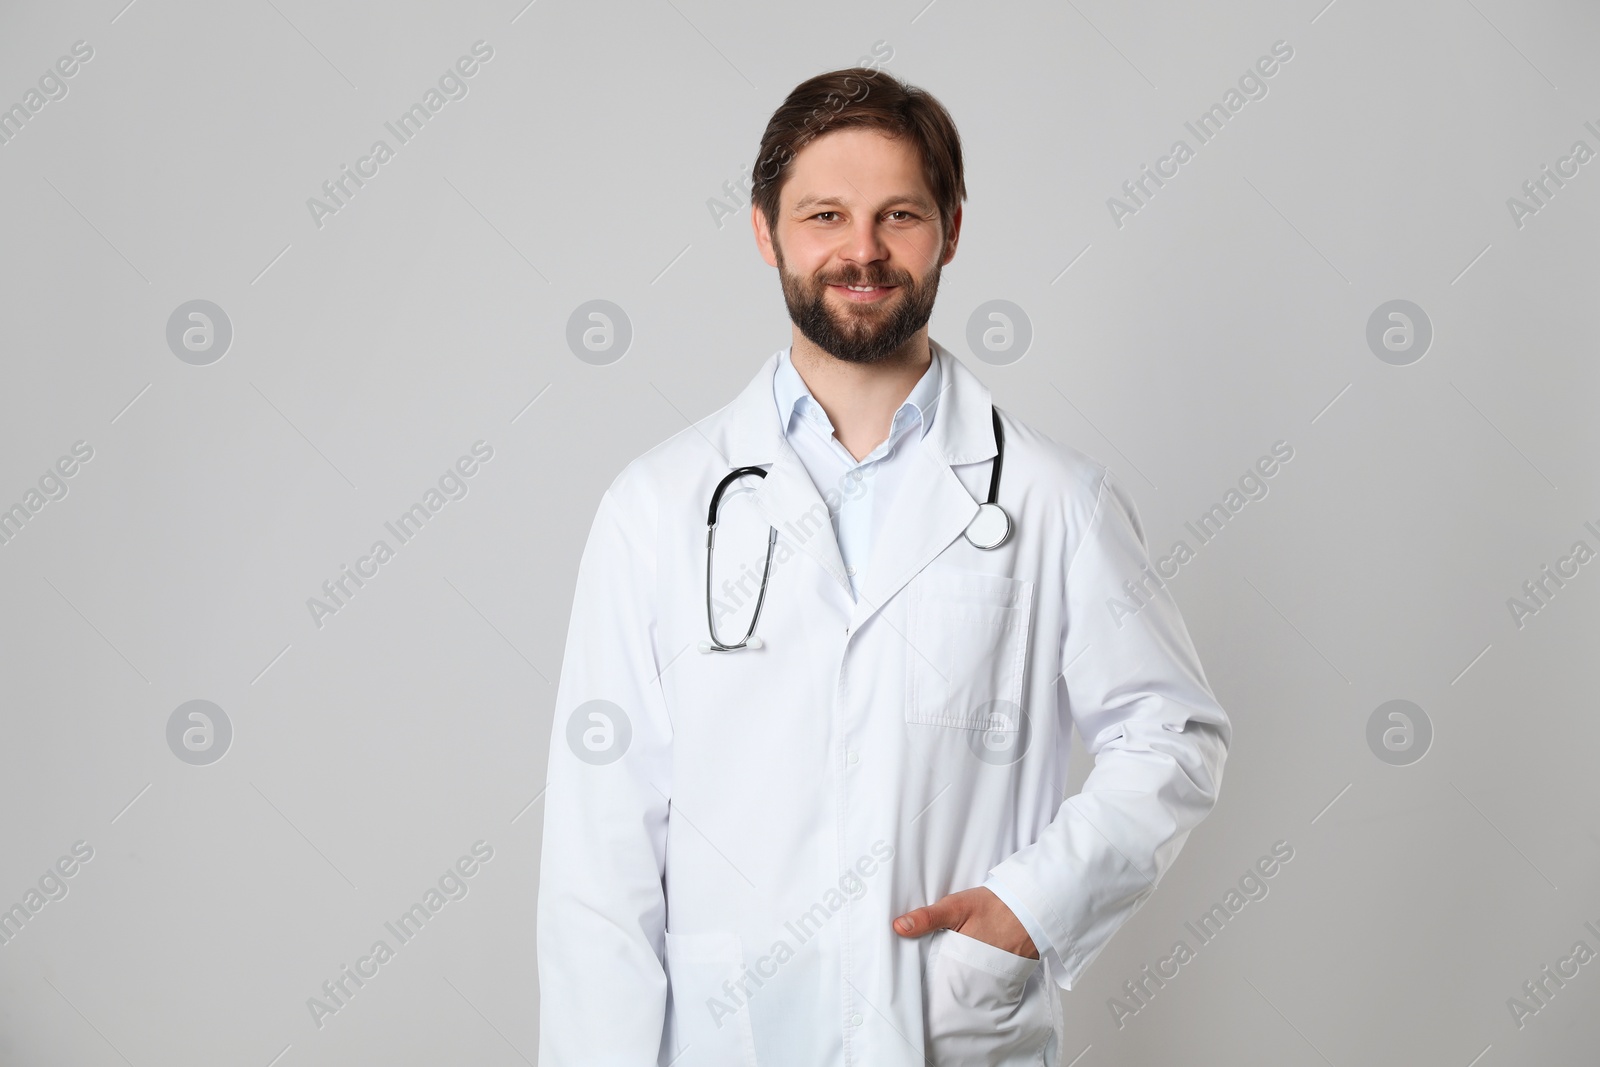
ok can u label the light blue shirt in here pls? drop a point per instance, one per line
(858, 494)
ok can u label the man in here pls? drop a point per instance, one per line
(847, 842)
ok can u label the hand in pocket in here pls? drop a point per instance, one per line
(978, 914)
(983, 1000)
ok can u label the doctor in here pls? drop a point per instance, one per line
(806, 798)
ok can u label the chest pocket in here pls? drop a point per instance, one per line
(968, 636)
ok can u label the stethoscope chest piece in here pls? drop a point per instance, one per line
(990, 528)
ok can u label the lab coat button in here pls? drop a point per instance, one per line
(856, 1020)
(852, 756)
(851, 571)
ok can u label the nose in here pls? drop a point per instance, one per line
(865, 245)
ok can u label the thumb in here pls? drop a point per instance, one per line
(945, 913)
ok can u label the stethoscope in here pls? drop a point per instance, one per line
(989, 529)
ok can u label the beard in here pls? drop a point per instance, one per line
(859, 333)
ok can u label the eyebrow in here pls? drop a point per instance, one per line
(833, 201)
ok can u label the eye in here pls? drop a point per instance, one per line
(819, 214)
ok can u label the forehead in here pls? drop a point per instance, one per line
(854, 165)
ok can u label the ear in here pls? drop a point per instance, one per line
(763, 233)
(952, 237)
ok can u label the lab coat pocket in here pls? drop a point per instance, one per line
(968, 640)
(984, 1005)
(709, 1020)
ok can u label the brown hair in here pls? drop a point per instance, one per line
(860, 97)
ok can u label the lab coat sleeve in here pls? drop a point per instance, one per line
(1134, 687)
(601, 906)
(1036, 931)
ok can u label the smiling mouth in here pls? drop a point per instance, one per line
(863, 293)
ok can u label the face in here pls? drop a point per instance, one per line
(858, 245)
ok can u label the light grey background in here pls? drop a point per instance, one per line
(368, 354)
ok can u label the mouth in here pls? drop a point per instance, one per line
(864, 294)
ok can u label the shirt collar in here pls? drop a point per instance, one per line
(794, 400)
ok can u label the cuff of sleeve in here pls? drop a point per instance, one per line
(1068, 955)
(1036, 931)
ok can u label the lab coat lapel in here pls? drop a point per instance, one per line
(791, 504)
(786, 497)
(931, 508)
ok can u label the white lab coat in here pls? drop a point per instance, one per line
(728, 837)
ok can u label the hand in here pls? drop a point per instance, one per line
(977, 913)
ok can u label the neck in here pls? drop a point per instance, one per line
(860, 399)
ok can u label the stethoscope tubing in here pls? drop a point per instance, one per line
(749, 640)
(999, 457)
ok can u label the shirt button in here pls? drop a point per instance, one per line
(851, 571)
(852, 756)
(856, 1020)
